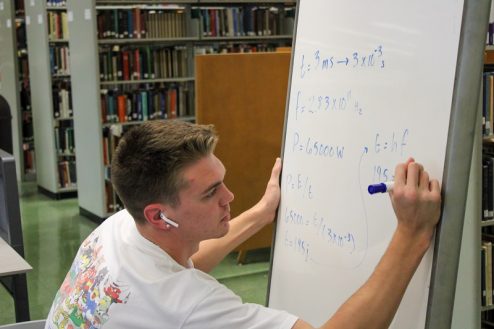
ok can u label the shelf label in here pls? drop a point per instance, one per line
(40, 19)
(28, 20)
(9, 23)
(32, 3)
(1, 5)
(70, 16)
(87, 14)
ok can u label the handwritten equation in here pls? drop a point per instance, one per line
(320, 227)
(300, 184)
(312, 104)
(316, 148)
(319, 62)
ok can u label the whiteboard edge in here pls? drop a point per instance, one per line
(282, 151)
(457, 163)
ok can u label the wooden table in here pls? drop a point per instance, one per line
(13, 270)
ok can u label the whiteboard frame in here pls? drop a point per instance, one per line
(461, 132)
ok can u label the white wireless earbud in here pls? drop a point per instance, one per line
(168, 220)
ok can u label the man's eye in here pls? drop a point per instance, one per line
(211, 193)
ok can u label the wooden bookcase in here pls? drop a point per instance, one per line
(97, 47)
(47, 35)
(246, 103)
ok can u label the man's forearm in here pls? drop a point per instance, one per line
(242, 227)
(375, 303)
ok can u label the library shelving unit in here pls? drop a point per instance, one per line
(134, 61)
(9, 80)
(47, 35)
(487, 217)
(29, 167)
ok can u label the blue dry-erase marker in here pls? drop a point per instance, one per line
(380, 188)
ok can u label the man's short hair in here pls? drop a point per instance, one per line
(148, 163)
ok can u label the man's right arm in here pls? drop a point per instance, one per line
(416, 201)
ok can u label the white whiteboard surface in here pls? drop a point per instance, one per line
(371, 84)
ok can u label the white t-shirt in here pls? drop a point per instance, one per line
(121, 280)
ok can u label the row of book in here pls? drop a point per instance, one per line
(64, 138)
(27, 128)
(235, 48)
(62, 100)
(111, 138)
(148, 103)
(56, 3)
(19, 7)
(20, 31)
(486, 272)
(58, 26)
(29, 160)
(490, 34)
(487, 103)
(24, 70)
(67, 177)
(113, 202)
(139, 22)
(140, 63)
(60, 60)
(487, 183)
(246, 21)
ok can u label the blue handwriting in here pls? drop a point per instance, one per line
(382, 174)
(317, 148)
(394, 142)
(298, 244)
(356, 60)
(314, 104)
(345, 240)
(299, 183)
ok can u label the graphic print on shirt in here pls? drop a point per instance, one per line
(88, 291)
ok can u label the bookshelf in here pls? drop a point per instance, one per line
(487, 197)
(9, 79)
(47, 35)
(134, 62)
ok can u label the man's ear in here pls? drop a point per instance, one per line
(152, 215)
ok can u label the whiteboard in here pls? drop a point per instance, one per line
(371, 84)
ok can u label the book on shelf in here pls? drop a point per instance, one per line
(130, 63)
(62, 100)
(59, 60)
(56, 3)
(64, 138)
(29, 160)
(490, 34)
(19, 7)
(488, 278)
(151, 101)
(67, 174)
(235, 47)
(483, 261)
(488, 104)
(113, 202)
(141, 22)
(248, 20)
(58, 26)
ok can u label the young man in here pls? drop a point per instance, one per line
(144, 267)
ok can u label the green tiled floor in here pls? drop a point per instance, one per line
(52, 233)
